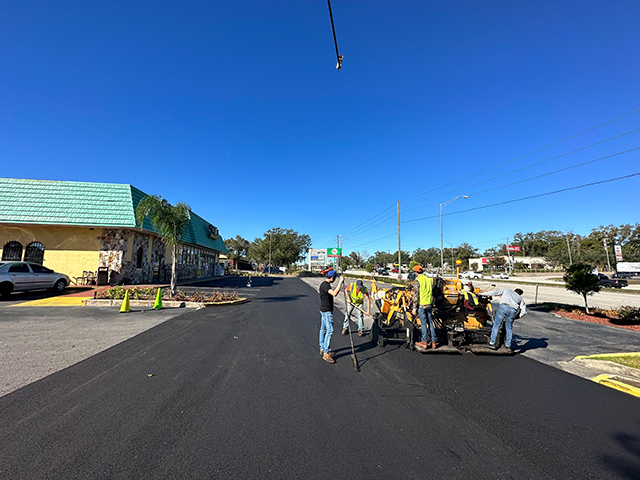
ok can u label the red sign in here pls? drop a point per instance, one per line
(513, 248)
(485, 260)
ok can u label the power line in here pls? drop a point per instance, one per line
(526, 198)
(539, 176)
(525, 168)
(528, 154)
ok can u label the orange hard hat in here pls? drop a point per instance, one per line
(418, 268)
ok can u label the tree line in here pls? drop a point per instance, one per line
(286, 247)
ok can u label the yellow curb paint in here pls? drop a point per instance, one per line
(55, 302)
(632, 354)
(607, 381)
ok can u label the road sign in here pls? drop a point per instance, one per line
(334, 252)
(618, 250)
(513, 248)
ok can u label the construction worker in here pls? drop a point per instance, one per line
(356, 293)
(326, 314)
(512, 306)
(421, 301)
(470, 299)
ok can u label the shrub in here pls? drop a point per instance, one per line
(629, 315)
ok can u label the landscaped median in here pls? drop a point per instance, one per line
(622, 370)
(146, 297)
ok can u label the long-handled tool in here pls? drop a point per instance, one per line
(356, 367)
(335, 40)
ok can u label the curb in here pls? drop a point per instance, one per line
(627, 354)
(612, 382)
(92, 302)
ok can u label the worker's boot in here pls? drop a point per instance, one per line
(360, 333)
(345, 331)
(433, 345)
(328, 358)
(422, 345)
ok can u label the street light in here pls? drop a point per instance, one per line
(442, 205)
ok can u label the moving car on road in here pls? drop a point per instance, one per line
(607, 282)
(502, 276)
(23, 276)
(470, 274)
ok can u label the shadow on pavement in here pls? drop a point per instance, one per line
(531, 343)
(628, 467)
(286, 298)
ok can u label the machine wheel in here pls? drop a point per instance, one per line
(59, 286)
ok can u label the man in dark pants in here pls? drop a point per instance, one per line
(326, 314)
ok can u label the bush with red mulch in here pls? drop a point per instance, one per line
(612, 318)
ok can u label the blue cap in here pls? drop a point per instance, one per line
(331, 273)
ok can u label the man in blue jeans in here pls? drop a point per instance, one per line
(326, 314)
(421, 301)
(512, 306)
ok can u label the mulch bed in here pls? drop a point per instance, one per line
(594, 319)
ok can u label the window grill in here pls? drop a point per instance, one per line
(34, 253)
(12, 252)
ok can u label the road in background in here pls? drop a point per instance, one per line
(242, 392)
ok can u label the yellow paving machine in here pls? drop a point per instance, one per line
(462, 322)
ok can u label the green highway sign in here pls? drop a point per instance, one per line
(334, 252)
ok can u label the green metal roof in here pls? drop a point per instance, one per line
(47, 202)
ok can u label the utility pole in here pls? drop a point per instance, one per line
(569, 250)
(269, 270)
(506, 248)
(607, 250)
(399, 255)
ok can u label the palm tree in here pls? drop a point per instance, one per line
(168, 221)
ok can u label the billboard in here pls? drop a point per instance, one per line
(513, 248)
(334, 252)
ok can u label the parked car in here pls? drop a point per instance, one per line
(607, 282)
(273, 270)
(502, 276)
(383, 271)
(23, 276)
(470, 274)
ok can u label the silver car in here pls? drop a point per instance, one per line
(23, 276)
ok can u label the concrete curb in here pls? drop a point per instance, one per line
(607, 373)
(614, 382)
(92, 302)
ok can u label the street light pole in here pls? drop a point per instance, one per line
(442, 205)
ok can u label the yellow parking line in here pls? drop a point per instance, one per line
(628, 354)
(55, 302)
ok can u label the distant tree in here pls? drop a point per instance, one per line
(284, 246)
(473, 266)
(382, 258)
(168, 221)
(496, 262)
(580, 280)
(369, 267)
(237, 247)
(431, 256)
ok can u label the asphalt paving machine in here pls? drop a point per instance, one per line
(460, 326)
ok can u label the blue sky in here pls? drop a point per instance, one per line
(236, 108)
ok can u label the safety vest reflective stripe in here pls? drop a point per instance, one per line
(426, 290)
(356, 297)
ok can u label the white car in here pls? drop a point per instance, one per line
(23, 276)
(502, 276)
(469, 274)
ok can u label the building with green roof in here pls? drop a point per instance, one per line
(78, 228)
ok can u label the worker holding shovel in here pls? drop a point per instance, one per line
(356, 293)
(326, 314)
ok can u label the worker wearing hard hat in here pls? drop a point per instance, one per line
(421, 302)
(356, 293)
(470, 299)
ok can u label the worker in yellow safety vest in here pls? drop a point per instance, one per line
(356, 293)
(421, 302)
(470, 299)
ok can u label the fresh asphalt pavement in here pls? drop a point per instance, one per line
(241, 392)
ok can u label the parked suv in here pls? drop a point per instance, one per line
(23, 276)
(469, 274)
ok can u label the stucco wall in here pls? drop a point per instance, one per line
(69, 250)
